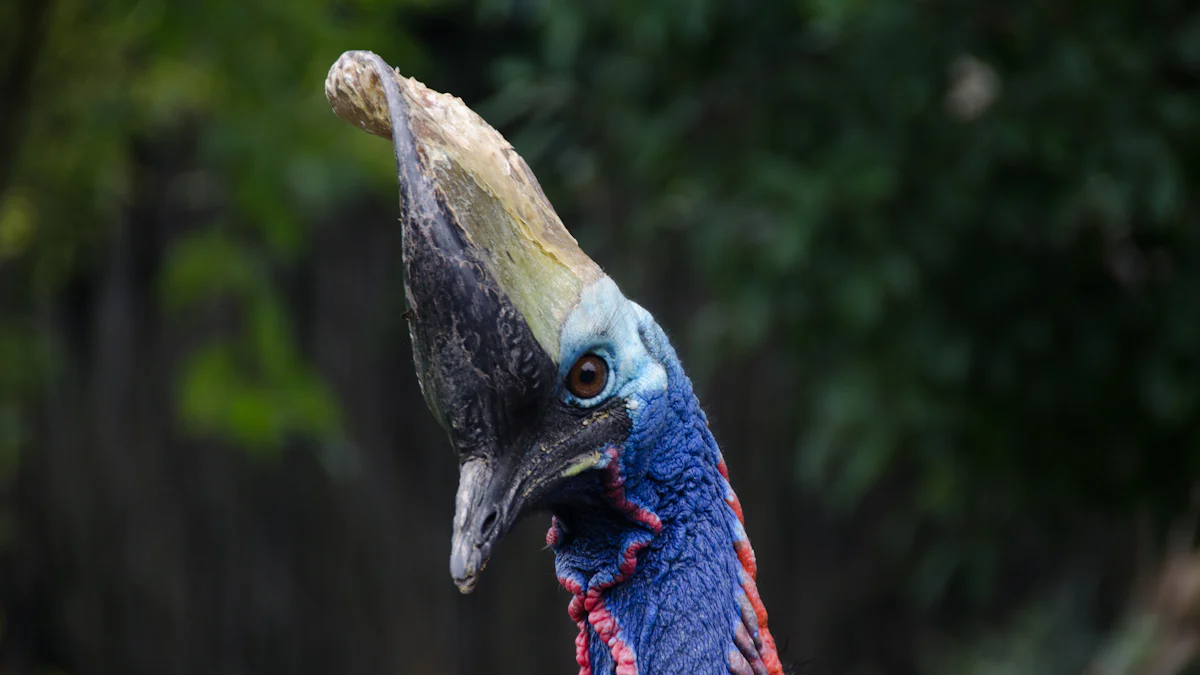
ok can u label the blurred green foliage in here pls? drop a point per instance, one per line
(114, 79)
(970, 229)
(1048, 638)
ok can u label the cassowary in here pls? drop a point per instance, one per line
(561, 395)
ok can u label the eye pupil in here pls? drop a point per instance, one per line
(587, 376)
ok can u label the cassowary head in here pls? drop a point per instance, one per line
(527, 353)
(557, 392)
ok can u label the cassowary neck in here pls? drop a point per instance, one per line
(662, 572)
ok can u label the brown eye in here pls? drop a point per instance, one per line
(587, 376)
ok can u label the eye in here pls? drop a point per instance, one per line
(587, 376)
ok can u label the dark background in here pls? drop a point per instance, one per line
(932, 265)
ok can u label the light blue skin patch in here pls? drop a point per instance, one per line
(608, 324)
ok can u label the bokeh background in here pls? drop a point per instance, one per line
(931, 263)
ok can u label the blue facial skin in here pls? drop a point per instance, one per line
(679, 608)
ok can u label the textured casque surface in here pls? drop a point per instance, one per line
(495, 198)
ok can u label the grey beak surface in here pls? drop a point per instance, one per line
(481, 518)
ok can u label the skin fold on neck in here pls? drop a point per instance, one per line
(660, 568)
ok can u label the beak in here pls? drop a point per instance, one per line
(496, 489)
(490, 275)
(483, 513)
(476, 517)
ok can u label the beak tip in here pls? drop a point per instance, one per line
(466, 585)
(467, 561)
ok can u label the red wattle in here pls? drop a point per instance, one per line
(768, 652)
(590, 609)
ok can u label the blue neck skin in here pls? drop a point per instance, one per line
(678, 609)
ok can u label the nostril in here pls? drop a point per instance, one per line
(488, 524)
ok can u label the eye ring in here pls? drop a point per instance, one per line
(587, 377)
